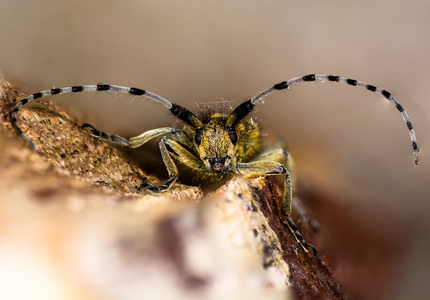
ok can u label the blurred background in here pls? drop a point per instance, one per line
(346, 141)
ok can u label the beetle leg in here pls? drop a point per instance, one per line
(135, 141)
(139, 140)
(277, 152)
(172, 170)
(106, 136)
(170, 149)
(184, 156)
(267, 167)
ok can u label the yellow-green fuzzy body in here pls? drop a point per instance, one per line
(216, 142)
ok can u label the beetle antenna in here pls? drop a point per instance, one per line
(178, 111)
(333, 78)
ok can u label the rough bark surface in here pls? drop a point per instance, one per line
(74, 226)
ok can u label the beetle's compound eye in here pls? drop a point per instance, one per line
(233, 137)
(198, 139)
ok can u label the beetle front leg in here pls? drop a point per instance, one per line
(172, 170)
(171, 149)
(262, 168)
(106, 136)
(277, 152)
(141, 139)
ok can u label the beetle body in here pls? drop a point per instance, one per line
(220, 148)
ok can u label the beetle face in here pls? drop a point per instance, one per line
(216, 145)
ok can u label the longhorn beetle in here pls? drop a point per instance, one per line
(217, 145)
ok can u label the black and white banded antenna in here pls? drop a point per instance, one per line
(334, 78)
(77, 89)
